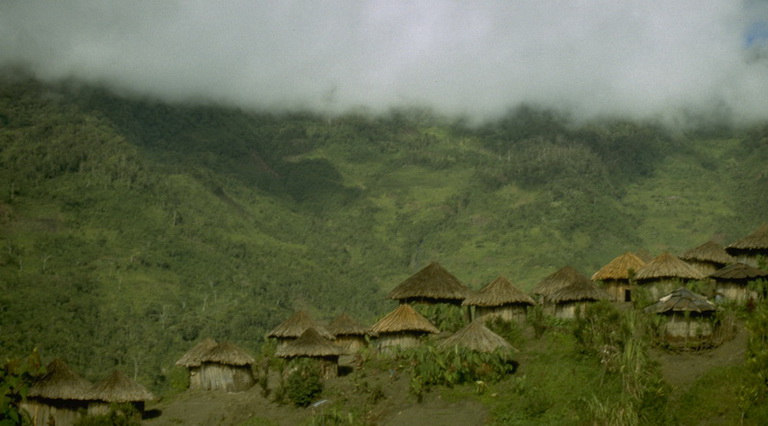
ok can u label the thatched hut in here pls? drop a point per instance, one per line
(752, 248)
(401, 328)
(618, 276)
(688, 315)
(500, 299)
(348, 334)
(59, 397)
(226, 367)
(664, 273)
(118, 388)
(477, 337)
(565, 302)
(432, 284)
(732, 281)
(192, 359)
(312, 345)
(563, 277)
(294, 327)
(708, 257)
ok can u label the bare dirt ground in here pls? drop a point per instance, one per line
(681, 369)
(396, 407)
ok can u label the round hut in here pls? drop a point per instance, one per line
(401, 328)
(500, 299)
(564, 303)
(665, 272)
(752, 248)
(192, 359)
(59, 397)
(349, 335)
(732, 281)
(118, 388)
(688, 316)
(432, 284)
(563, 277)
(226, 367)
(294, 327)
(312, 345)
(617, 277)
(477, 337)
(708, 257)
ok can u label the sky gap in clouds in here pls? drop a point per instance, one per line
(639, 59)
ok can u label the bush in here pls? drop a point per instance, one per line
(303, 385)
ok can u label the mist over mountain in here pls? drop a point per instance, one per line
(634, 59)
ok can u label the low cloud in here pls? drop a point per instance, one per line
(637, 59)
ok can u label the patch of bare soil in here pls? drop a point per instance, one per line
(680, 369)
(373, 397)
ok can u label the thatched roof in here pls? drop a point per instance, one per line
(294, 326)
(500, 292)
(345, 325)
(477, 337)
(61, 382)
(682, 300)
(757, 240)
(119, 388)
(432, 283)
(403, 319)
(666, 265)
(563, 277)
(621, 268)
(193, 356)
(228, 353)
(738, 272)
(309, 344)
(582, 290)
(709, 252)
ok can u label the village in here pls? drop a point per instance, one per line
(685, 292)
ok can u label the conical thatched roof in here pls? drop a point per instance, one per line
(294, 326)
(228, 353)
(666, 265)
(119, 388)
(621, 268)
(709, 252)
(564, 277)
(757, 240)
(309, 344)
(682, 300)
(738, 272)
(477, 337)
(345, 325)
(432, 283)
(404, 319)
(61, 382)
(193, 356)
(582, 290)
(500, 292)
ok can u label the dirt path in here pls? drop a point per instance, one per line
(680, 369)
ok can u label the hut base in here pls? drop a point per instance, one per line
(215, 376)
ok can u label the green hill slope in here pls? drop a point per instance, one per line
(131, 228)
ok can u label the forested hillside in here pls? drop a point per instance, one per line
(130, 228)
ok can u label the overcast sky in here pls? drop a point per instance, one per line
(641, 58)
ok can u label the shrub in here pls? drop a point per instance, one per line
(303, 385)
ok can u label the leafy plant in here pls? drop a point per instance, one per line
(16, 377)
(303, 385)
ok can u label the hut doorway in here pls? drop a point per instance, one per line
(627, 295)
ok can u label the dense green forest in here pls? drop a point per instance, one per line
(131, 228)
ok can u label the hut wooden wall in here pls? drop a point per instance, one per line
(44, 412)
(693, 328)
(735, 291)
(214, 376)
(567, 310)
(617, 290)
(350, 344)
(388, 342)
(512, 313)
(98, 408)
(194, 378)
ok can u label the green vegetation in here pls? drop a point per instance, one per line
(130, 229)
